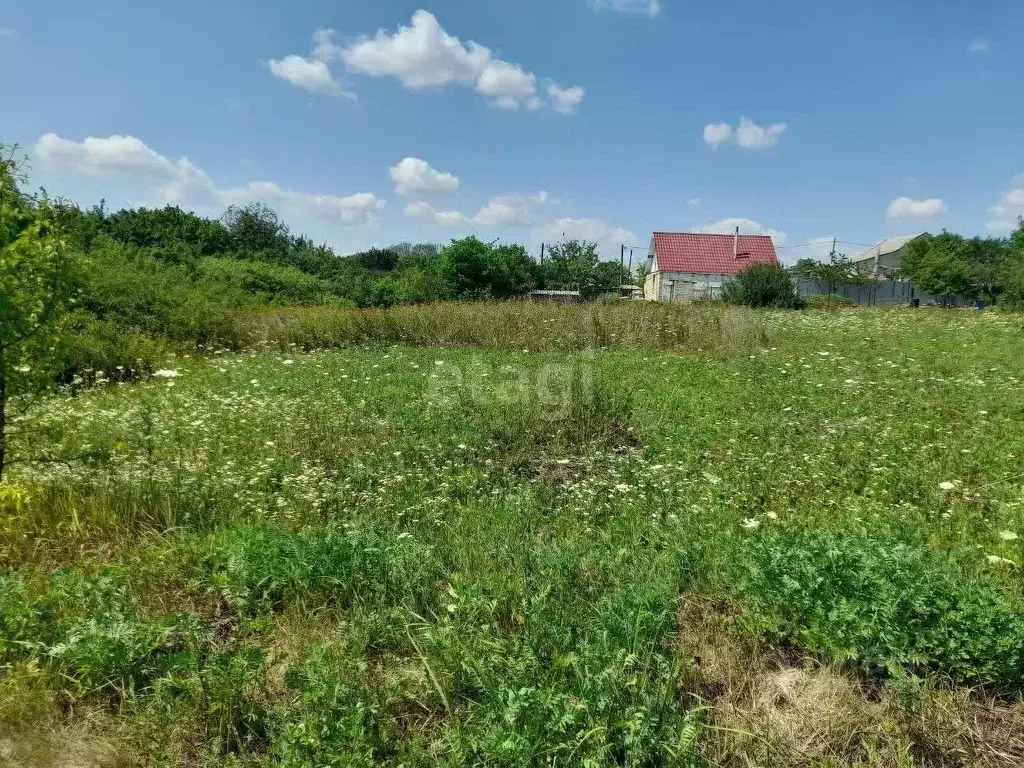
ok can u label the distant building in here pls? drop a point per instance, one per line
(556, 297)
(686, 266)
(883, 258)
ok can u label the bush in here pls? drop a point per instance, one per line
(763, 285)
(883, 602)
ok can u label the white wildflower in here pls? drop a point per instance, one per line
(1008, 536)
(772, 516)
(23, 368)
(751, 524)
(947, 485)
(166, 373)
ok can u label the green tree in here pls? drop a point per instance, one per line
(1011, 277)
(35, 272)
(256, 229)
(762, 285)
(471, 269)
(940, 265)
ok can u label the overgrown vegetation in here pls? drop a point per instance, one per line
(763, 285)
(802, 550)
(280, 529)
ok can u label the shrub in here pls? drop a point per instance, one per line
(883, 602)
(763, 285)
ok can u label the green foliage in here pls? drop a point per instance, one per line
(762, 285)
(174, 234)
(87, 626)
(941, 265)
(576, 266)
(258, 566)
(334, 720)
(256, 229)
(35, 288)
(471, 269)
(882, 601)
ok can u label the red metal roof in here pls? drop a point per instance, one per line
(710, 254)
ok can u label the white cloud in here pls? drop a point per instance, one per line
(978, 45)
(694, 202)
(415, 176)
(182, 183)
(451, 219)
(8, 32)
(647, 7)
(498, 212)
(905, 208)
(508, 86)
(1005, 215)
(312, 74)
(750, 135)
(717, 133)
(565, 101)
(418, 209)
(423, 55)
(114, 155)
(607, 236)
(309, 74)
(747, 227)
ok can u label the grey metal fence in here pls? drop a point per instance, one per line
(877, 293)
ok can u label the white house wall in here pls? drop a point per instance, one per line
(683, 286)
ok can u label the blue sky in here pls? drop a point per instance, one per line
(370, 123)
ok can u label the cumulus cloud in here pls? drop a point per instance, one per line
(978, 45)
(418, 209)
(907, 209)
(747, 227)
(182, 183)
(565, 101)
(498, 212)
(750, 135)
(312, 73)
(717, 133)
(645, 7)
(309, 74)
(414, 176)
(423, 56)
(1005, 215)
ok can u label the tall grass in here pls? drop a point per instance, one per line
(715, 329)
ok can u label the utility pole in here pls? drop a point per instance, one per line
(622, 264)
(832, 256)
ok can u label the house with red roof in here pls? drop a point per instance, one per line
(686, 266)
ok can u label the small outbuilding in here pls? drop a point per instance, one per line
(883, 258)
(687, 266)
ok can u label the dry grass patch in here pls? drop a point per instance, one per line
(772, 706)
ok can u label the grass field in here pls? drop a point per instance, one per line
(718, 537)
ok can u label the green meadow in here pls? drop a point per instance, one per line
(507, 535)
